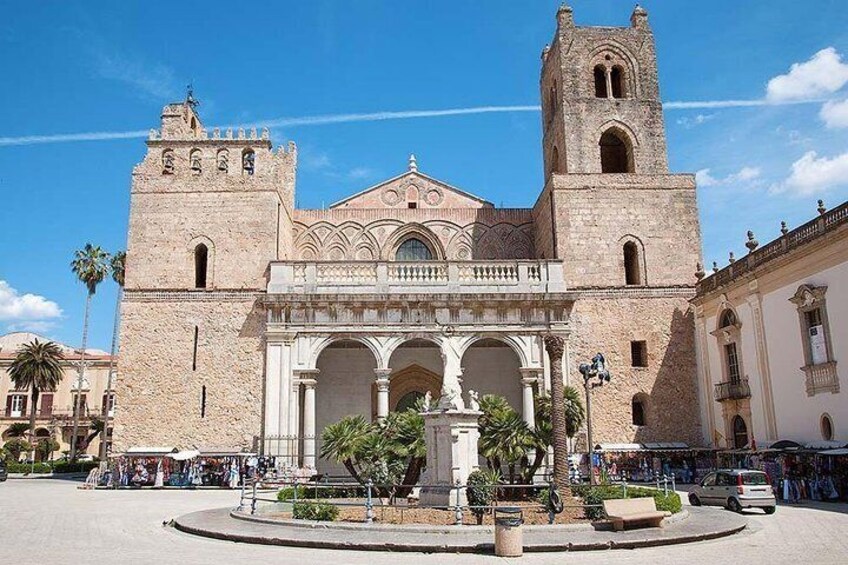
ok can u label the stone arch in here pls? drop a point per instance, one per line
(727, 316)
(599, 77)
(618, 80)
(616, 150)
(195, 159)
(321, 345)
(634, 262)
(417, 231)
(412, 378)
(168, 161)
(248, 161)
(740, 430)
(515, 345)
(618, 55)
(192, 258)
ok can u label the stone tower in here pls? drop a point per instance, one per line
(626, 229)
(208, 211)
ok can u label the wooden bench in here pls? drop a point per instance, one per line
(627, 511)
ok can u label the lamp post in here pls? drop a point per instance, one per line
(597, 368)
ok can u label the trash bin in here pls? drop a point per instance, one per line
(509, 538)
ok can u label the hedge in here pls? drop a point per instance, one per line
(57, 467)
(37, 469)
(305, 492)
(595, 495)
(315, 510)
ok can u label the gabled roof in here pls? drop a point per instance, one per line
(433, 193)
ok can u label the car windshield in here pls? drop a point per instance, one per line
(754, 479)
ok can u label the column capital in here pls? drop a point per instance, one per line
(309, 383)
(382, 374)
(554, 345)
(280, 337)
(530, 372)
(304, 374)
(382, 385)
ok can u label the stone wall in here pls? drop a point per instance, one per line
(160, 392)
(666, 324)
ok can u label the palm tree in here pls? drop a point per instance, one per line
(37, 366)
(90, 267)
(117, 266)
(343, 440)
(555, 347)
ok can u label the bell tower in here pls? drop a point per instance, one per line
(600, 99)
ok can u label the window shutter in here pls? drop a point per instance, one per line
(24, 405)
(8, 406)
(46, 404)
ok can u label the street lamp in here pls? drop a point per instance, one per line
(595, 369)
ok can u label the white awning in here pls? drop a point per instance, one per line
(840, 451)
(185, 455)
(667, 446)
(619, 447)
(152, 451)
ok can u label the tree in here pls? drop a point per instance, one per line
(342, 442)
(90, 267)
(555, 346)
(45, 447)
(18, 429)
(574, 417)
(95, 428)
(117, 266)
(505, 437)
(37, 366)
(15, 446)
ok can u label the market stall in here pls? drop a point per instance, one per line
(222, 467)
(141, 467)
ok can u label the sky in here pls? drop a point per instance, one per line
(756, 104)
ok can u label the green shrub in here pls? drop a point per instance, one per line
(306, 492)
(78, 467)
(37, 469)
(315, 510)
(482, 490)
(596, 495)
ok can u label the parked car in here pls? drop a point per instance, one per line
(3, 474)
(735, 489)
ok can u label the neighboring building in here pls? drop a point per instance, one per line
(251, 323)
(55, 410)
(771, 328)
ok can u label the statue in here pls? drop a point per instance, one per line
(473, 401)
(428, 400)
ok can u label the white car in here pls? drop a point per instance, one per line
(735, 489)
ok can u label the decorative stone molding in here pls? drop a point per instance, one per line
(821, 376)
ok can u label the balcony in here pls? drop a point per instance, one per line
(732, 390)
(821, 378)
(424, 277)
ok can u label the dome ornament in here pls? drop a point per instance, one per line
(413, 164)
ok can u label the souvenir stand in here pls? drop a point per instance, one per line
(141, 467)
(222, 467)
(686, 464)
(622, 461)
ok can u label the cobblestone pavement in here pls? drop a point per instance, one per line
(50, 521)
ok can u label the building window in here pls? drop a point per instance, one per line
(600, 75)
(82, 399)
(223, 160)
(615, 154)
(638, 411)
(201, 258)
(195, 161)
(617, 80)
(632, 274)
(740, 432)
(108, 405)
(412, 205)
(732, 359)
(413, 250)
(203, 401)
(168, 162)
(46, 405)
(248, 162)
(16, 405)
(819, 364)
(638, 354)
(728, 319)
(826, 427)
(194, 349)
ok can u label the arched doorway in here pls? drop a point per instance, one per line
(407, 386)
(740, 432)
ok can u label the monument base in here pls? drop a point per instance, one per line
(451, 437)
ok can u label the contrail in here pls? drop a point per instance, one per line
(375, 117)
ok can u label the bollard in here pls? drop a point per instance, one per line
(509, 535)
(253, 502)
(369, 504)
(457, 518)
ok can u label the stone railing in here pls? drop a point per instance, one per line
(386, 277)
(732, 390)
(821, 378)
(824, 223)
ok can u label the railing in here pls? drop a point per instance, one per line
(824, 223)
(821, 378)
(732, 390)
(368, 277)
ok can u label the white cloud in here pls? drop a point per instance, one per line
(694, 121)
(835, 114)
(35, 326)
(156, 81)
(823, 74)
(358, 173)
(18, 308)
(812, 174)
(744, 175)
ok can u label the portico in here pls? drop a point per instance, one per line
(371, 337)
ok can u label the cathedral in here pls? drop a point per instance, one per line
(252, 324)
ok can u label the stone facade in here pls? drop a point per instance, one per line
(251, 323)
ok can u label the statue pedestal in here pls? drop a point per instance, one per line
(451, 437)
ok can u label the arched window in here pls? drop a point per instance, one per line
(168, 162)
(600, 74)
(728, 319)
(632, 270)
(413, 250)
(826, 427)
(195, 161)
(248, 161)
(638, 410)
(615, 156)
(617, 80)
(201, 258)
(740, 432)
(223, 160)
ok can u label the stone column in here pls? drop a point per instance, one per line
(529, 377)
(273, 369)
(609, 83)
(309, 382)
(292, 438)
(382, 392)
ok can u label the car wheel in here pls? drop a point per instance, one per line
(733, 505)
(694, 500)
(769, 509)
